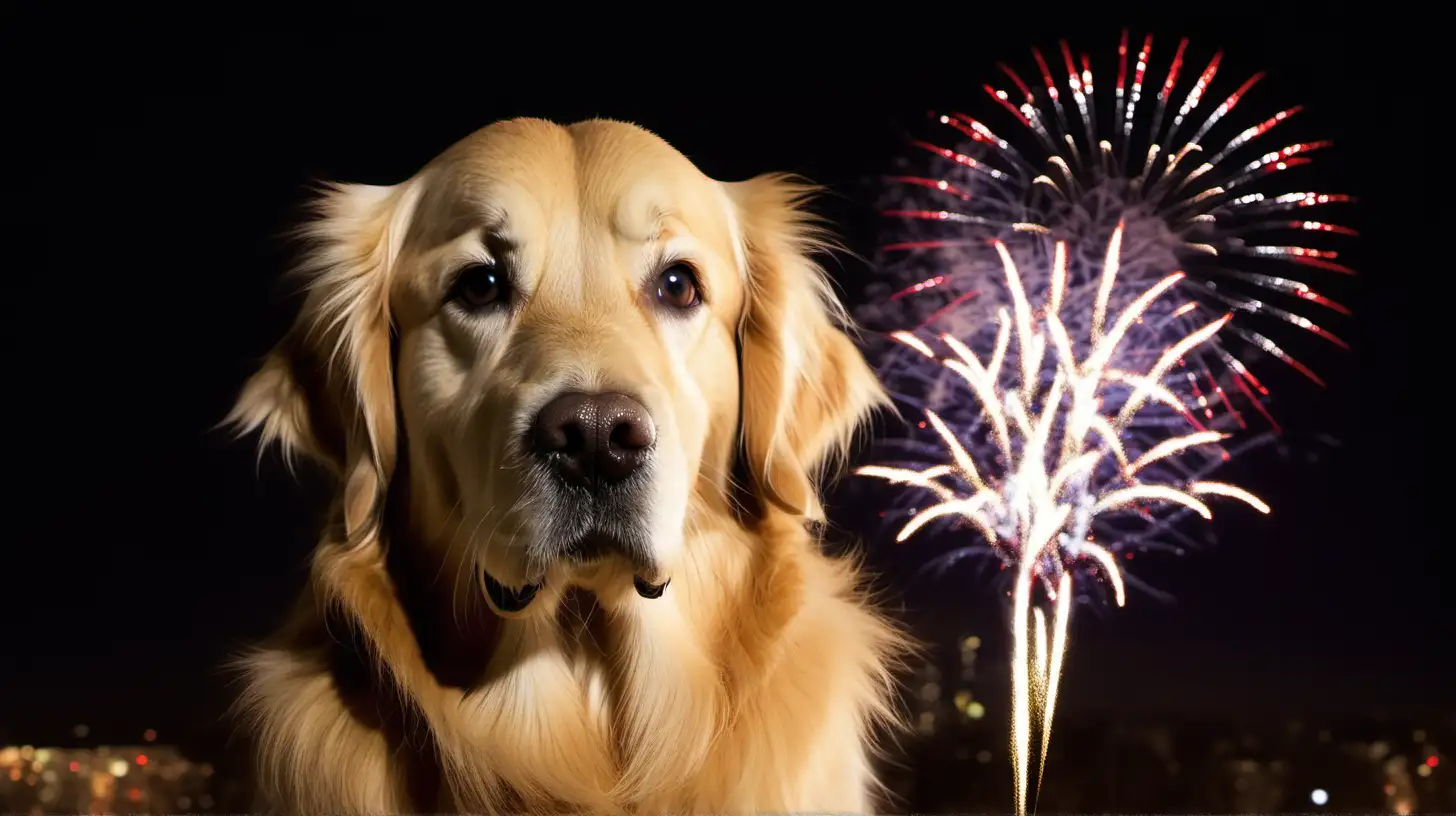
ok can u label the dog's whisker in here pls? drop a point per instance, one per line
(463, 568)
(458, 505)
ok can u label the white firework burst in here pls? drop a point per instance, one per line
(1058, 412)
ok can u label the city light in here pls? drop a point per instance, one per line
(102, 779)
(957, 732)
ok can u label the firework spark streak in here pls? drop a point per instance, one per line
(1058, 419)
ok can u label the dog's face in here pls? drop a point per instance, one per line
(567, 355)
(551, 323)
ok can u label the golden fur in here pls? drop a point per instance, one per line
(755, 684)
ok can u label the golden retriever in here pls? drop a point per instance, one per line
(578, 397)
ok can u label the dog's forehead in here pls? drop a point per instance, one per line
(613, 174)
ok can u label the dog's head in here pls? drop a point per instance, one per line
(556, 340)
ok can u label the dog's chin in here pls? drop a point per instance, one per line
(581, 563)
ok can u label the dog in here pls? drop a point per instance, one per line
(578, 398)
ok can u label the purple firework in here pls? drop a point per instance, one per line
(1190, 193)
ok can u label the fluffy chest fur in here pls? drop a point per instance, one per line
(753, 685)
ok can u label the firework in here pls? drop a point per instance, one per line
(1103, 275)
(1057, 405)
(1193, 193)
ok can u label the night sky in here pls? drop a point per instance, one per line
(149, 178)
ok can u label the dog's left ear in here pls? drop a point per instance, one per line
(806, 387)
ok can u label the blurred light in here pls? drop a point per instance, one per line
(1324, 736)
(1319, 796)
(204, 801)
(1402, 808)
(134, 794)
(1379, 749)
(983, 756)
(930, 692)
(1419, 735)
(1389, 789)
(971, 643)
(975, 711)
(962, 700)
(75, 766)
(27, 752)
(184, 802)
(1432, 761)
(141, 759)
(43, 755)
(1423, 771)
(150, 735)
(81, 730)
(927, 722)
(118, 767)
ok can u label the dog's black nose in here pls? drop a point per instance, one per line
(593, 440)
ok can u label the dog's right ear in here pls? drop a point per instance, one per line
(275, 404)
(327, 391)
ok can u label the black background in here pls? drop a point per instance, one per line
(150, 173)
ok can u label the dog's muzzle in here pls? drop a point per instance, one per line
(595, 451)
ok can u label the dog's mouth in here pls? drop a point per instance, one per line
(507, 599)
(586, 551)
(590, 549)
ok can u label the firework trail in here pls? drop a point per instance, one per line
(1090, 214)
(1057, 410)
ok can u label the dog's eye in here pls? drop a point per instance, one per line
(479, 286)
(677, 287)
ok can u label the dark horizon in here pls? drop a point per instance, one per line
(156, 175)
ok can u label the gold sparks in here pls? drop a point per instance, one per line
(1054, 419)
